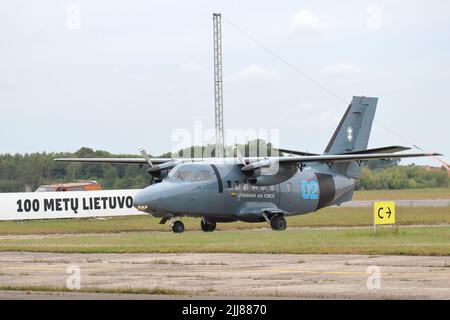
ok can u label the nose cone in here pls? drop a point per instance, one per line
(139, 200)
(151, 198)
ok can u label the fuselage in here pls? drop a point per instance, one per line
(220, 192)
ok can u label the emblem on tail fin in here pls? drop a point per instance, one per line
(349, 134)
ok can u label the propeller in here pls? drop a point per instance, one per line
(239, 155)
(145, 155)
(159, 169)
(147, 158)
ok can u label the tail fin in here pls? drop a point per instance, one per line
(352, 133)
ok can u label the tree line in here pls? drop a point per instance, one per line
(19, 172)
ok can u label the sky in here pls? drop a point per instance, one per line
(115, 75)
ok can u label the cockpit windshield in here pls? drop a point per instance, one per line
(190, 173)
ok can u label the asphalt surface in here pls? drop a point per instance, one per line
(214, 276)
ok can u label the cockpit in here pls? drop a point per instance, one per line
(189, 172)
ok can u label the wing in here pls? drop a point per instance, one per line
(334, 158)
(255, 162)
(389, 149)
(115, 160)
(356, 157)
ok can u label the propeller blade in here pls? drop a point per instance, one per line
(145, 155)
(239, 155)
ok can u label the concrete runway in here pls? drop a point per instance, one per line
(214, 276)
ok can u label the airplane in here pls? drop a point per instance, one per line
(258, 189)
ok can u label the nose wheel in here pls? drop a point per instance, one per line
(178, 227)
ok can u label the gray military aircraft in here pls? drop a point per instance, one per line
(258, 189)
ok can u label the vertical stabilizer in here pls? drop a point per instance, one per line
(352, 133)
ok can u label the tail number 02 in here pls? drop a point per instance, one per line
(310, 189)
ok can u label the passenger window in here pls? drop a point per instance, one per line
(273, 188)
(236, 185)
(263, 188)
(245, 187)
(289, 187)
(228, 184)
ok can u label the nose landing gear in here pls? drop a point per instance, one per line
(178, 227)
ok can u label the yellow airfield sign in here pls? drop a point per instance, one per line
(384, 212)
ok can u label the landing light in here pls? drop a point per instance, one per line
(142, 208)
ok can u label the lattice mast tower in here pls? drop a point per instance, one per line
(218, 84)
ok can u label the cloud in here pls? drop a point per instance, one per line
(313, 116)
(192, 66)
(326, 119)
(341, 69)
(305, 21)
(253, 71)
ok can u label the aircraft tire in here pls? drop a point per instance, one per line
(178, 227)
(207, 227)
(278, 223)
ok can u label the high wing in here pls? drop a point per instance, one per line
(257, 162)
(356, 157)
(389, 149)
(116, 160)
(334, 158)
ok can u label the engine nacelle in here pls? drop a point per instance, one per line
(160, 174)
(161, 171)
(259, 176)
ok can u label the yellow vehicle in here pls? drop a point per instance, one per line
(71, 186)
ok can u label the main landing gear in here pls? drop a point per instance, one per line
(207, 226)
(277, 221)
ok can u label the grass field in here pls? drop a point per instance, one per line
(328, 217)
(403, 241)
(410, 194)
